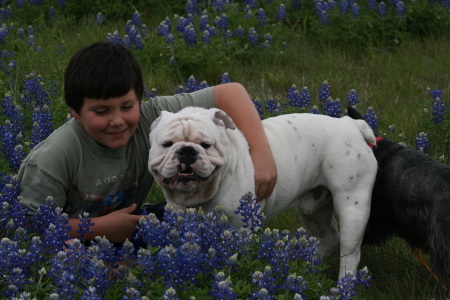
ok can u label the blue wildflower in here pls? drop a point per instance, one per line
(225, 78)
(273, 107)
(170, 294)
(52, 12)
(219, 5)
(372, 4)
(438, 111)
(315, 110)
(324, 92)
(296, 5)
(400, 10)
(204, 20)
(371, 118)
(343, 6)
(99, 18)
(436, 93)
(221, 22)
(355, 11)
(136, 19)
(382, 9)
(192, 7)
(191, 85)
(281, 15)
(261, 16)
(221, 288)
(84, 226)
(422, 142)
(206, 37)
(305, 97)
(332, 108)
(190, 36)
(353, 98)
(252, 36)
(249, 209)
(250, 3)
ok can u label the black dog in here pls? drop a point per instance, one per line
(411, 199)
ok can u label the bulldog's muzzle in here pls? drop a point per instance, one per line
(186, 155)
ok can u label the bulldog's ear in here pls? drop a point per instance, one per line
(222, 119)
(158, 119)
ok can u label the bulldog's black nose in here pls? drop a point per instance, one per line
(186, 155)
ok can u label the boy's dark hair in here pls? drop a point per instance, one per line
(100, 71)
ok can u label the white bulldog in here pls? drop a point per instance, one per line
(324, 166)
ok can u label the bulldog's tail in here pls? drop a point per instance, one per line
(365, 129)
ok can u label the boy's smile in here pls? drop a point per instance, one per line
(110, 122)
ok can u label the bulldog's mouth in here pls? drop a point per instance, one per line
(184, 177)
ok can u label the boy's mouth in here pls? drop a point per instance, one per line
(117, 132)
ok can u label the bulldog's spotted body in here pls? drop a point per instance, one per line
(324, 167)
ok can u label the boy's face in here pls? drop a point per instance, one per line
(110, 122)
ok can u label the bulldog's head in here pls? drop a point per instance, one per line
(187, 154)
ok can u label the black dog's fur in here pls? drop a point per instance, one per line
(411, 199)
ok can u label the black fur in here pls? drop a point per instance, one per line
(411, 199)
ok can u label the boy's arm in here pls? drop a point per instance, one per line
(116, 226)
(235, 101)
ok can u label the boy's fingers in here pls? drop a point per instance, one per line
(129, 209)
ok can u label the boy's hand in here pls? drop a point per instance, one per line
(120, 224)
(265, 172)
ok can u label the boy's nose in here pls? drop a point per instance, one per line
(117, 120)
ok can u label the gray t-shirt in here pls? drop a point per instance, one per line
(82, 176)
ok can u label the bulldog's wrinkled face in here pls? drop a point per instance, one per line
(186, 155)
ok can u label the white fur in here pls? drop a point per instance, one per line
(324, 167)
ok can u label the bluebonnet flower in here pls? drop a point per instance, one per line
(18, 156)
(305, 97)
(3, 33)
(252, 36)
(332, 108)
(322, 12)
(90, 293)
(296, 5)
(422, 142)
(221, 22)
(35, 2)
(263, 280)
(343, 6)
(163, 29)
(258, 106)
(268, 37)
(315, 110)
(204, 20)
(170, 294)
(203, 85)
(192, 7)
(56, 232)
(206, 37)
(31, 40)
(170, 39)
(225, 78)
(250, 3)
(293, 96)
(219, 5)
(62, 273)
(190, 36)
(136, 19)
(52, 12)
(281, 15)
(353, 98)
(273, 107)
(265, 44)
(84, 225)
(371, 118)
(191, 85)
(99, 18)
(324, 92)
(20, 33)
(221, 288)
(249, 210)
(248, 14)
(400, 9)
(261, 15)
(212, 30)
(114, 37)
(262, 294)
(355, 11)
(372, 4)
(239, 31)
(438, 111)
(43, 128)
(382, 9)
(295, 284)
(436, 93)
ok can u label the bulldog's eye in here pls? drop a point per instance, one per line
(205, 145)
(167, 144)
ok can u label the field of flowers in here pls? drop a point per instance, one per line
(191, 255)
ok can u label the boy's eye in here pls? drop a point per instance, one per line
(126, 107)
(100, 112)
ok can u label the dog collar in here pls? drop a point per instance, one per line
(377, 140)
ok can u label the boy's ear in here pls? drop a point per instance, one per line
(74, 113)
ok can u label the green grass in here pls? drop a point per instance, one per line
(393, 79)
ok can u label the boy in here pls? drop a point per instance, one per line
(97, 162)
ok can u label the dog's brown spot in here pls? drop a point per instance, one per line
(313, 145)
(289, 122)
(359, 155)
(347, 153)
(356, 202)
(348, 143)
(351, 178)
(295, 129)
(331, 166)
(348, 197)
